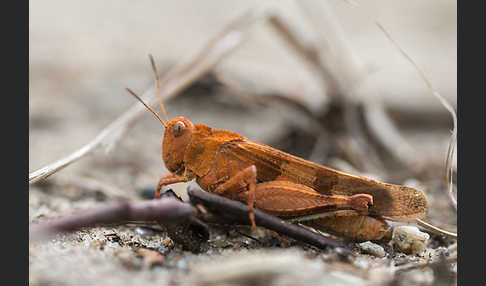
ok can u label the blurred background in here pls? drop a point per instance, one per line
(83, 54)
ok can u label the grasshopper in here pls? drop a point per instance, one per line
(230, 165)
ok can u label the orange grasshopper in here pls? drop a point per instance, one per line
(281, 184)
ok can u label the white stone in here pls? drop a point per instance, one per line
(409, 239)
(372, 248)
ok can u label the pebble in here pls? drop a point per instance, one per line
(372, 248)
(410, 240)
(143, 232)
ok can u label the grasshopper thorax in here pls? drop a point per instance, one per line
(177, 136)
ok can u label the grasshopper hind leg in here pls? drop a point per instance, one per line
(289, 199)
(244, 181)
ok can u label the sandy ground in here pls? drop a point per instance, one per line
(83, 55)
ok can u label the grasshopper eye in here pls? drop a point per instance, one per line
(178, 128)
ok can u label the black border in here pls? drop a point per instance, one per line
(15, 139)
(469, 193)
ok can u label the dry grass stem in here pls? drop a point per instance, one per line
(174, 82)
(437, 230)
(452, 143)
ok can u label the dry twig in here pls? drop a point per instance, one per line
(162, 211)
(238, 212)
(173, 83)
(341, 74)
(330, 79)
(338, 58)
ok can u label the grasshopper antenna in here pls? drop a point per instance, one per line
(148, 107)
(157, 86)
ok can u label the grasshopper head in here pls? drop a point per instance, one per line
(177, 136)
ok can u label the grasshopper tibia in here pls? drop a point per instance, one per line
(168, 179)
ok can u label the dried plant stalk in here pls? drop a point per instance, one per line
(341, 73)
(238, 212)
(452, 143)
(162, 211)
(331, 80)
(435, 229)
(173, 83)
(306, 51)
(337, 56)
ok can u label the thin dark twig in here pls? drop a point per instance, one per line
(162, 211)
(238, 212)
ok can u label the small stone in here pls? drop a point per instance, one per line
(409, 239)
(372, 248)
(143, 232)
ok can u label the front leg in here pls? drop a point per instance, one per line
(169, 179)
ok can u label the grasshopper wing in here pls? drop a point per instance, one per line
(394, 202)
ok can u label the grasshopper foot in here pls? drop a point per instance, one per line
(252, 219)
